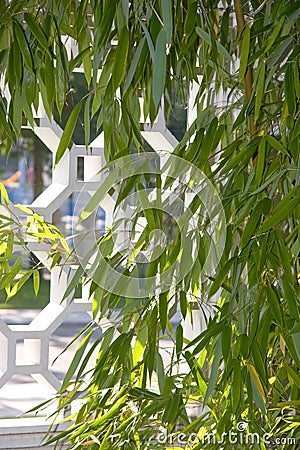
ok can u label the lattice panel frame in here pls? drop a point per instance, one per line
(37, 334)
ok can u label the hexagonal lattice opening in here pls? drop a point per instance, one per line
(28, 352)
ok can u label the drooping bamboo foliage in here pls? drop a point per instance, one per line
(244, 365)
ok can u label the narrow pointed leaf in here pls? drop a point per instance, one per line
(68, 132)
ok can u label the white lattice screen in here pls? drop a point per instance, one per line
(36, 335)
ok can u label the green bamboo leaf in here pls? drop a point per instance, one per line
(251, 226)
(127, 188)
(220, 278)
(194, 147)
(260, 90)
(17, 111)
(146, 206)
(261, 161)
(172, 409)
(270, 41)
(207, 145)
(23, 44)
(161, 375)
(214, 369)
(134, 64)
(226, 341)
(96, 199)
(259, 362)
(296, 79)
(289, 89)
(87, 64)
(274, 303)
(284, 208)
(296, 340)
(17, 286)
(257, 395)
(163, 310)
(244, 53)
(197, 373)
(207, 38)
(44, 99)
(68, 132)
(73, 63)
(276, 144)
(183, 303)
(4, 121)
(28, 87)
(257, 383)
(37, 31)
(60, 83)
(291, 346)
(76, 359)
(87, 121)
(149, 40)
(190, 19)
(159, 67)
(291, 298)
(179, 338)
(285, 256)
(166, 8)
(236, 386)
(121, 58)
(49, 80)
(36, 282)
(293, 375)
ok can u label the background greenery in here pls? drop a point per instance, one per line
(25, 298)
(244, 365)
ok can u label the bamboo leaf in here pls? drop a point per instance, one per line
(236, 386)
(289, 89)
(134, 64)
(37, 31)
(207, 38)
(4, 193)
(159, 67)
(274, 303)
(60, 83)
(87, 121)
(183, 303)
(76, 359)
(244, 53)
(258, 396)
(121, 58)
(96, 199)
(256, 380)
(166, 8)
(261, 160)
(23, 44)
(179, 338)
(276, 144)
(68, 132)
(36, 282)
(260, 90)
(226, 341)
(284, 207)
(214, 370)
(163, 310)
